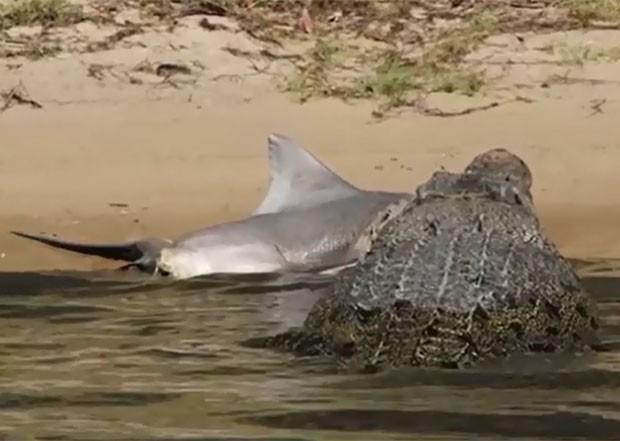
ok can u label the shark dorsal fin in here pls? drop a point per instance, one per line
(298, 179)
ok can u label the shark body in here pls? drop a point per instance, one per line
(310, 219)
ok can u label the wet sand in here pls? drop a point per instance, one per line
(180, 158)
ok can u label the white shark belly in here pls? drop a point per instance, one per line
(184, 263)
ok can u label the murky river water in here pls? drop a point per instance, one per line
(99, 357)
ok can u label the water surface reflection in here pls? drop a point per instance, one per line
(109, 357)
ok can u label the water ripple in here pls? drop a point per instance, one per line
(103, 356)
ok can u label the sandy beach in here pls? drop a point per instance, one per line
(114, 155)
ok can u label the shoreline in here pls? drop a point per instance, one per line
(579, 232)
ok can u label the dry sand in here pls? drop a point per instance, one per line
(187, 156)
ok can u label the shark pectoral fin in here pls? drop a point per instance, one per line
(333, 270)
(326, 263)
(141, 253)
(298, 179)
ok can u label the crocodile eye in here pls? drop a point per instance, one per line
(518, 200)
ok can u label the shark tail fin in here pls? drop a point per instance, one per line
(142, 254)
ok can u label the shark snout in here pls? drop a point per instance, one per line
(179, 263)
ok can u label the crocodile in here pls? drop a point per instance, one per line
(460, 272)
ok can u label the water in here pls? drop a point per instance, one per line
(99, 357)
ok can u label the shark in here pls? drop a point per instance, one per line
(309, 220)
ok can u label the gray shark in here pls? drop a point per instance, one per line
(309, 220)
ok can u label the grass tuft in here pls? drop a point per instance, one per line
(581, 53)
(46, 13)
(392, 77)
(587, 11)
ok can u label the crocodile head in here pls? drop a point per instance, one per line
(501, 165)
(496, 173)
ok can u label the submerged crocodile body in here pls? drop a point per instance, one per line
(460, 272)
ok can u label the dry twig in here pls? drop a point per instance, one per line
(18, 95)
